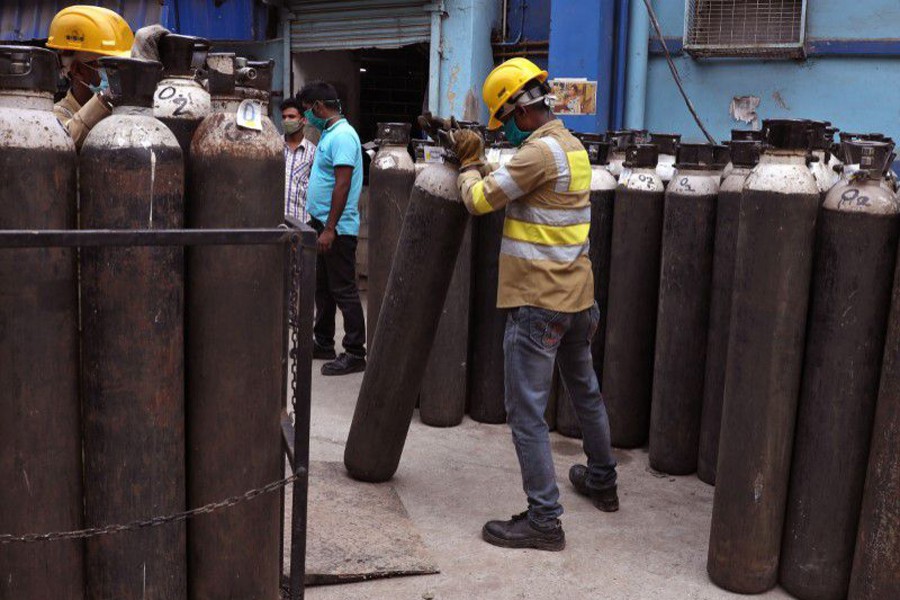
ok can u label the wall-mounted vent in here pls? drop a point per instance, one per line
(745, 28)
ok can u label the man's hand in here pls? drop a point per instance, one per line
(468, 147)
(326, 239)
(146, 42)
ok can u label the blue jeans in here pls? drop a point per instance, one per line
(536, 339)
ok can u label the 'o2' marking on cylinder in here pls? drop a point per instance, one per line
(646, 180)
(166, 93)
(181, 101)
(852, 196)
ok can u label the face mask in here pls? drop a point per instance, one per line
(514, 135)
(291, 127)
(317, 122)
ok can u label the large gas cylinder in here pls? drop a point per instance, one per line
(443, 395)
(391, 177)
(432, 234)
(603, 190)
(180, 101)
(633, 293)
(876, 559)
(487, 322)
(688, 238)
(40, 437)
(131, 176)
(235, 333)
(668, 147)
(858, 230)
(776, 236)
(744, 156)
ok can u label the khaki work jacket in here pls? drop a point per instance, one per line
(78, 119)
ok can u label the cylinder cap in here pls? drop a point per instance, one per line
(818, 131)
(182, 54)
(255, 74)
(393, 133)
(747, 134)
(871, 155)
(28, 68)
(620, 139)
(221, 72)
(639, 156)
(592, 137)
(132, 80)
(667, 142)
(787, 134)
(693, 156)
(598, 151)
(721, 156)
(745, 153)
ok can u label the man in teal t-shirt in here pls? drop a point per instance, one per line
(332, 201)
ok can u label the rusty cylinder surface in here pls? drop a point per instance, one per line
(727, 213)
(631, 317)
(487, 322)
(391, 178)
(235, 306)
(876, 559)
(40, 437)
(682, 319)
(442, 399)
(776, 236)
(131, 176)
(856, 251)
(423, 267)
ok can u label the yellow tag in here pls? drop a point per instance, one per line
(249, 115)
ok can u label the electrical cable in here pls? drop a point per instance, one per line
(674, 70)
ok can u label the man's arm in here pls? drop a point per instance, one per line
(343, 175)
(484, 193)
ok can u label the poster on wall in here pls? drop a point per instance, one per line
(574, 96)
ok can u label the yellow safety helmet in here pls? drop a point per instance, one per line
(502, 86)
(90, 29)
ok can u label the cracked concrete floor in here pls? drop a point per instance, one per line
(453, 480)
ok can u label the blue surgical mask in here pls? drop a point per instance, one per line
(317, 122)
(104, 83)
(514, 135)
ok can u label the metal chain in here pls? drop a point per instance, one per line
(212, 507)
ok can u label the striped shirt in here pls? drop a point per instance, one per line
(298, 164)
(545, 189)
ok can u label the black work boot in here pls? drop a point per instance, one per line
(344, 365)
(606, 500)
(323, 353)
(520, 532)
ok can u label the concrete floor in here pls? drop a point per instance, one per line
(453, 480)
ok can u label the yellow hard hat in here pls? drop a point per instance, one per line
(90, 29)
(505, 82)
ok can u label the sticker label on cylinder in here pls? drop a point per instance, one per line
(249, 115)
(434, 154)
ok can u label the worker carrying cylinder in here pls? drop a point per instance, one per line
(546, 284)
(81, 35)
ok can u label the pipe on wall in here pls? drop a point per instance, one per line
(636, 68)
(621, 52)
(434, 58)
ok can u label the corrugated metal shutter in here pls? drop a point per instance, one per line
(352, 24)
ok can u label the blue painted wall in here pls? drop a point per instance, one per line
(858, 93)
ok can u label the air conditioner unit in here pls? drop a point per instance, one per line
(745, 28)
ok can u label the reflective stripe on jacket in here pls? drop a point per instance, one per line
(545, 189)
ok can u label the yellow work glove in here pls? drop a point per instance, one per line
(468, 147)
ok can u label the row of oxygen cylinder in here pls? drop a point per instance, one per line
(140, 381)
(745, 293)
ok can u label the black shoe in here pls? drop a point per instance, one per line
(520, 532)
(323, 353)
(606, 500)
(344, 365)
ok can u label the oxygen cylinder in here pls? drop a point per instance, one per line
(776, 235)
(391, 177)
(688, 238)
(131, 176)
(432, 234)
(620, 141)
(40, 416)
(876, 558)
(668, 147)
(180, 101)
(858, 230)
(633, 293)
(744, 157)
(603, 190)
(443, 395)
(235, 336)
(487, 322)
(821, 153)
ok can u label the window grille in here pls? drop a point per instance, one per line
(736, 28)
